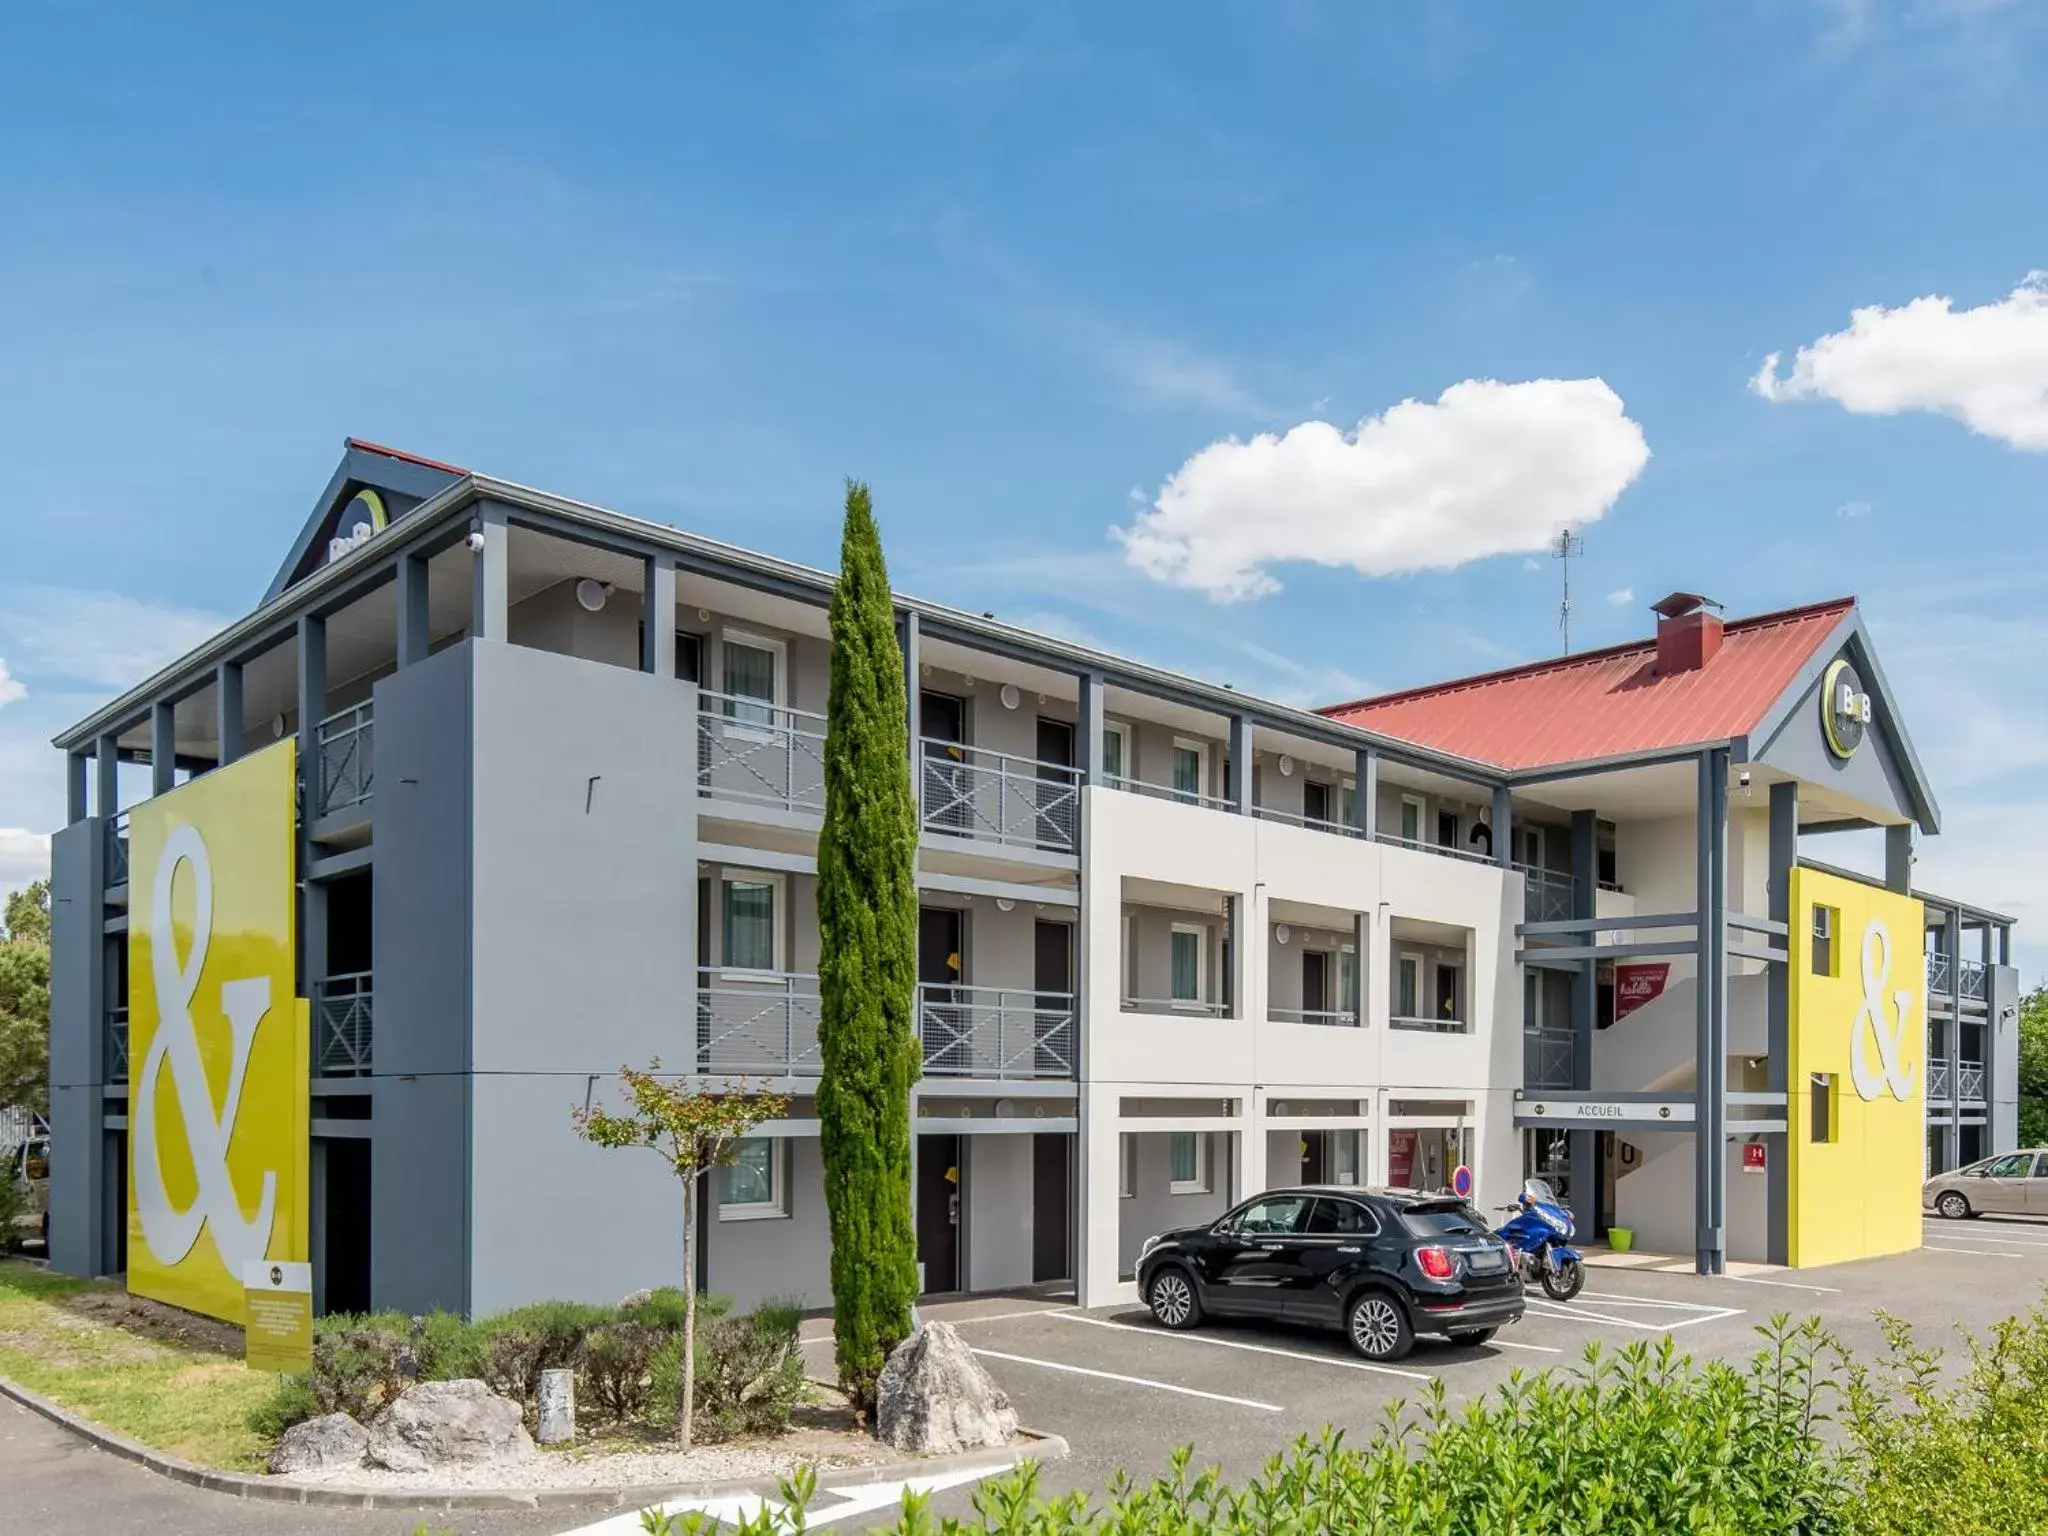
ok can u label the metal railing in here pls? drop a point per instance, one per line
(1937, 973)
(765, 1023)
(996, 1032)
(1546, 895)
(1431, 1026)
(1186, 1005)
(117, 849)
(348, 760)
(117, 1045)
(765, 754)
(1339, 1018)
(1937, 1082)
(1944, 972)
(1168, 792)
(1546, 1059)
(1972, 1077)
(1976, 976)
(1313, 823)
(342, 1026)
(995, 797)
(1424, 845)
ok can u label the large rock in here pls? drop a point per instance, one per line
(444, 1424)
(632, 1299)
(934, 1397)
(332, 1440)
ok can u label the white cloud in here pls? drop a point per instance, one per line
(24, 858)
(1169, 376)
(1622, 597)
(1486, 469)
(1987, 367)
(101, 639)
(1852, 509)
(10, 686)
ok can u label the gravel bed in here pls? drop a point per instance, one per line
(620, 1469)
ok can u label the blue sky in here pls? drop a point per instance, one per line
(1017, 266)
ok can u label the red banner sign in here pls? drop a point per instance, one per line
(1635, 985)
(1401, 1148)
(1754, 1159)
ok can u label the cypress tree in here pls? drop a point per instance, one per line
(867, 964)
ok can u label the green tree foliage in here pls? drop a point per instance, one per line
(867, 964)
(694, 1132)
(2034, 1068)
(25, 999)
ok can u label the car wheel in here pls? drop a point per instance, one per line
(1378, 1327)
(1953, 1205)
(1473, 1337)
(1173, 1300)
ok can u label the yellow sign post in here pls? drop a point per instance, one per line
(278, 1333)
(218, 1043)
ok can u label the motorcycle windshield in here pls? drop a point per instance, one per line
(1540, 1191)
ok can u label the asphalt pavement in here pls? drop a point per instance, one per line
(1125, 1393)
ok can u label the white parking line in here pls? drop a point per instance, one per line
(1982, 1235)
(1538, 1349)
(1257, 1349)
(1654, 1301)
(1132, 1381)
(1788, 1285)
(1981, 1253)
(1568, 1312)
(1004, 1317)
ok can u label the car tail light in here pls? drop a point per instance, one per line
(1434, 1262)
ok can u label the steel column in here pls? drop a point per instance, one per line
(490, 599)
(106, 762)
(1240, 787)
(1365, 798)
(658, 616)
(1710, 1152)
(413, 638)
(163, 748)
(908, 640)
(1585, 998)
(1092, 725)
(313, 895)
(1953, 921)
(1784, 855)
(231, 725)
(1898, 858)
(1503, 827)
(74, 788)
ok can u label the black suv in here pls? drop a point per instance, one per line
(1383, 1265)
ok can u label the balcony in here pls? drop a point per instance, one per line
(994, 797)
(347, 764)
(1336, 1018)
(760, 754)
(1546, 1059)
(117, 849)
(996, 1032)
(1976, 976)
(758, 1024)
(341, 1025)
(1546, 895)
(1944, 973)
(1181, 796)
(1971, 1079)
(1313, 823)
(1437, 1026)
(1423, 845)
(117, 1045)
(1199, 1008)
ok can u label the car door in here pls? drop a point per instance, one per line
(1332, 1243)
(2037, 1187)
(2003, 1188)
(1256, 1258)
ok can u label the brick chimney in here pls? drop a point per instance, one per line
(1688, 632)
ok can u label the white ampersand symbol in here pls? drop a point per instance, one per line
(171, 1232)
(1887, 1034)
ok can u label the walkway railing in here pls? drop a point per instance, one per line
(342, 1026)
(996, 1032)
(1313, 823)
(1423, 845)
(1976, 978)
(1432, 1026)
(1185, 1005)
(1972, 1083)
(1546, 895)
(1183, 796)
(995, 797)
(1338, 1018)
(117, 849)
(765, 754)
(760, 1024)
(1546, 1059)
(117, 1045)
(348, 760)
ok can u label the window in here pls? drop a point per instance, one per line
(2041, 1167)
(1344, 1157)
(752, 677)
(1315, 801)
(1347, 803)
(1448, 1000)
(1411, 818)
(1822, 1114)
(1190, 1174)
(1408, 990)
(1189, 982)
(1347, 981)
(1127, 1173)
(2016, 1165)
(1190, 769)
(1825, 922)
(1116, 754)
(1447, 829)
(756, 1182)
(1277, 1216)
(750, 935)
(1341, 1218)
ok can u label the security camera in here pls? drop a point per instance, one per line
(1742, 779)
(475, 541)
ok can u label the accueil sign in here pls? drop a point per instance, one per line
(218, 1106)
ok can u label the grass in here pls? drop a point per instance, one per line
(58, 1340)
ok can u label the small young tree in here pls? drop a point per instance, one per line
(693, 1131)
(867, 965)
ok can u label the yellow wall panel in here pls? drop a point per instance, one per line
(217, 1041)
(1865, 1025)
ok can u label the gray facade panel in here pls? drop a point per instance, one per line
(2002, 996)
(1872, 774)
(420, 1147)
(779, 1256)
(77, 1008)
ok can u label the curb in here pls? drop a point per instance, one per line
(1041, 1447)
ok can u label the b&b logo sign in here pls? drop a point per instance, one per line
(218, 1109)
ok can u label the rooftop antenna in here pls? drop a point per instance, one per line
(1563, 547)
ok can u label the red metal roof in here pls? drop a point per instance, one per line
(399, 453)
(1606, 703)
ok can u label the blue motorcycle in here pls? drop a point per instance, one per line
(1537, 1236)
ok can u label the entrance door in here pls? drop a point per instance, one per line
(346, 1285)
(1315, 1159)
(942, 1015)
(1052, 1206)
(938, 1212)
(947, 793)
(1059, 797)
(1053, 1036)
(1315, 985)
(1446, 994)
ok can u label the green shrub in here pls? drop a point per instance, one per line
(446, 1346)
(664, 1308)
(749, 1374)
(358, 1370)
(13, 1203)
(292, 1401)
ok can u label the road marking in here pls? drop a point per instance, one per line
(1539, 1349)
(1982, 1253)
(1788, 1285)
(1583, 1314)
(1653, 1301)
(1257, 1349)
(1132, 1381)
(1004, 1317)
(1981, 1235)
(732, 1508)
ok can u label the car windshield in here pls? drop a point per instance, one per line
(1443, 1218)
